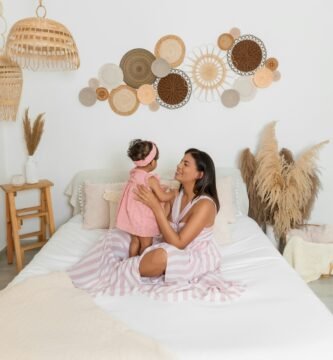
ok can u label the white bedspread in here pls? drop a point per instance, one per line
(277, 317)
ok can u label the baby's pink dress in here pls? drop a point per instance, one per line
(133, 216)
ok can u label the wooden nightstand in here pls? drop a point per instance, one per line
(15, 217)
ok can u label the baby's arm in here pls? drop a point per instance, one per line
(159, 192)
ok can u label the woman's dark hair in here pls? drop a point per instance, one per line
(207, 184)
(139, 149)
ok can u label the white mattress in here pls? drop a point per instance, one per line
(277, 317)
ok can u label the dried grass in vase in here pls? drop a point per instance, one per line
(32, 132)
(282, 188)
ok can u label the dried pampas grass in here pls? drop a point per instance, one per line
(248, 168)
(287, 155)
(282, 188)
(268, 178)
(32, 134)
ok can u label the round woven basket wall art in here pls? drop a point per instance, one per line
(225, 41)
(102, 93)
(174, 90)
(230, 71)
(247, 54)
(136, 66)
(123, 100)
(146, 94)
(172, 49)
(87, 96)
(110, 76)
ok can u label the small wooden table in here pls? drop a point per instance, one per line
(15, 217)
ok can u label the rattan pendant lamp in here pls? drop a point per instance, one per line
(11, 79)
(39, 43)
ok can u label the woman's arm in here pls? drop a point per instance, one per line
(159, 192)
(202, 215)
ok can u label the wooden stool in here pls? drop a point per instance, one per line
(15, 217)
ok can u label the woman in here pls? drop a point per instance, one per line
(185, 263)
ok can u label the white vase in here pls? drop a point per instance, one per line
(31, 174)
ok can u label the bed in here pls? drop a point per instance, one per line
(277, 316)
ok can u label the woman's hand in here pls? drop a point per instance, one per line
(147, 197)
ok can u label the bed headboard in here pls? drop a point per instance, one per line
(96, 176)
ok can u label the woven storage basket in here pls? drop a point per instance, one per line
(11, 81)
(40, 43)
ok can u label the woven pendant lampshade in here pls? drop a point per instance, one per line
(42, 44)
(11, 79)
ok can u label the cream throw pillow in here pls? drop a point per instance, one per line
(113, 197)
(96, 214)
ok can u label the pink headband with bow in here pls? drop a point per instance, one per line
(148, 159)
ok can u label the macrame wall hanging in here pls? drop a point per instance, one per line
(38, 43)
(230, 72)
(11, 79)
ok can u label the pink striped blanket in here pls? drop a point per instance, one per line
(192, 273)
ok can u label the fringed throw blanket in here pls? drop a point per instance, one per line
(45, 317)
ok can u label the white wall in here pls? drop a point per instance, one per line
(298, 33)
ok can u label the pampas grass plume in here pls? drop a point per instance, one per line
(32, 134)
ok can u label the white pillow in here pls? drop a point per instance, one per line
(222, 233)
(225, 193)
(240, 198)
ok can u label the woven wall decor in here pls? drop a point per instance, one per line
(154, 106)
(102, 93)
(247, 60)
(171, 48)
(146, 94)
(272, 64)
(208, 71)
(39, 43)
(247, 54)
(136, 65)
(123, 100)
(230, 98)
(110, 76)
(231, 72)
(160, 68)
(174, 90)
(11, 79)
(246, 88)
(225, 41)
(87, 96)
(93, 83)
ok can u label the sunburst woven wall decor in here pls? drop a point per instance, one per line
(209, 72)
(231, 72)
